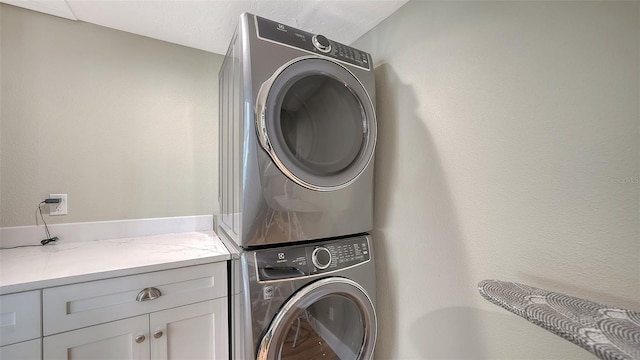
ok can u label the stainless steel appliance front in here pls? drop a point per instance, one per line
(297, 136)
(288, 307)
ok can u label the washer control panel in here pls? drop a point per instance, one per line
(314, 43)
(311, 259)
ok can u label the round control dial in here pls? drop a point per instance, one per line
(321, 257)
(321, 43)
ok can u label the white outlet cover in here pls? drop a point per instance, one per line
(59, 208)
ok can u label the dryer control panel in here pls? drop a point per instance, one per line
(311, 259)
(316, 44)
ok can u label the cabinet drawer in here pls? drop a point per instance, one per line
(79, 305)
(28, 350)
(19, 317)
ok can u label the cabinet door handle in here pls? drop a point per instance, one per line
(147, 294)
(140, 339)
(158, 334)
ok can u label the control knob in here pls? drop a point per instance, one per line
(321, 257)
(321, 43)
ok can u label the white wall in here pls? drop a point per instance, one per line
(509, 148)
(123, 124)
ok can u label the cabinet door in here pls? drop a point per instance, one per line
(20, 317)
(196, 331)
(117, 340)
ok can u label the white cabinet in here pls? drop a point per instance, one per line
(113, 340)
(20, 326)
(173, 314)
(27, 350)
(197, 331)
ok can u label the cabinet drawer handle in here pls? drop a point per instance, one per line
(158, 334)
(140, 339)
(147, 294)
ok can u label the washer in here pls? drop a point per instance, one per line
(309, 301)
(297, 136)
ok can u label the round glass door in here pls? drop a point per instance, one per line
(317, 122)
(332, 318)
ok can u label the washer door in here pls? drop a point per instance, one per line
(332, 318)
(317, 122)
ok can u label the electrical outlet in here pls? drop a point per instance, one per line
(59, 208)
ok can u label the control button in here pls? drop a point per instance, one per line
(321, 43)
(321, 258)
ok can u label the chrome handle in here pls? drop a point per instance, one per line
(140, 339)
(158, 334)
(148, 294)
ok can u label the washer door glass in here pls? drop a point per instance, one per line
(320, 123)
(330, 319)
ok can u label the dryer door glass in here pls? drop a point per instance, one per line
(333, 321)
(320, 123)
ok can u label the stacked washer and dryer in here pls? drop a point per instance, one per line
(297, 138)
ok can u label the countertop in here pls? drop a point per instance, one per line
(30, 268)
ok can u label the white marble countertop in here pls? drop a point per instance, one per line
(30, 268)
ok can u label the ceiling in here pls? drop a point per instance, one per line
(209, 24)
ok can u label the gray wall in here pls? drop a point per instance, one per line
(508, 148)
(123, 124)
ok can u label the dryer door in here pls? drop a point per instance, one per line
(317, 122)
(332, 318)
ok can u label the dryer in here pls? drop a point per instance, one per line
(297, 136)
(306, 301)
